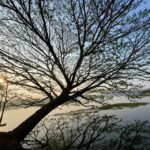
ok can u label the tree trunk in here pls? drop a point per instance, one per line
(3, 110)
(20, 132)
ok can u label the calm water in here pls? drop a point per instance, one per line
(16, 116)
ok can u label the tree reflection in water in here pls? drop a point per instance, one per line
(89, 131)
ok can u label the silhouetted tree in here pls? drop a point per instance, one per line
(61, 50)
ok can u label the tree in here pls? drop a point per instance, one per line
(3, 98)
(7, 95)
(59, 51)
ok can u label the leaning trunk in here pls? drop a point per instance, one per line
(20, 132)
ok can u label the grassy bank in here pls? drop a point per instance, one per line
(105, 107)
(122, 105)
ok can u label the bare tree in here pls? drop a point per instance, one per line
(60, 50)
(7, 95)
(3, 98)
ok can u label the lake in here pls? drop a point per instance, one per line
(15, 116)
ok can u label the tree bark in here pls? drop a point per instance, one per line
(20, 132)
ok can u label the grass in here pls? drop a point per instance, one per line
(145, 93)
(122, 105)
(105, 107)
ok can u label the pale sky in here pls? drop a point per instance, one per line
(146, 4)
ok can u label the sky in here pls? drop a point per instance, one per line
(146, 4)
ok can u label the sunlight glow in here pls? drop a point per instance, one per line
(2, 80)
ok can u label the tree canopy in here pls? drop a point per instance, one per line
(60, 50)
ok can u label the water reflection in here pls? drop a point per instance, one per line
(89, 131)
